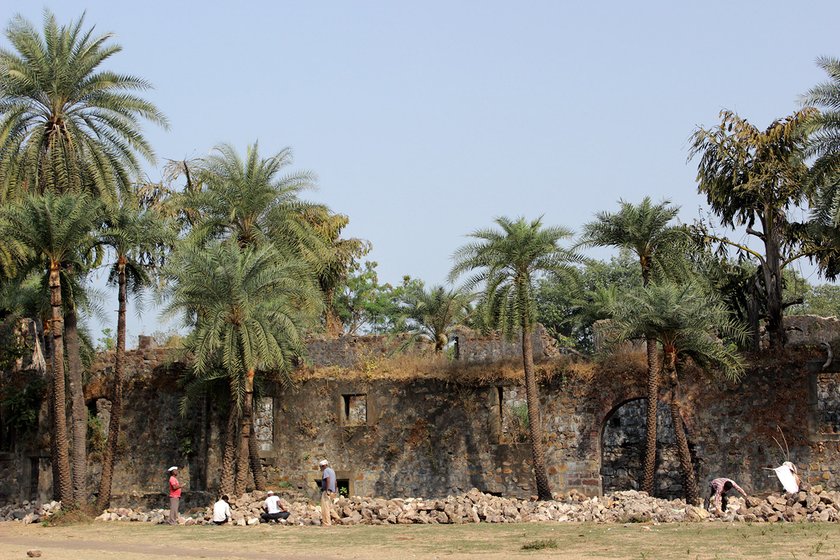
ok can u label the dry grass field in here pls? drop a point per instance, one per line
(135, 541)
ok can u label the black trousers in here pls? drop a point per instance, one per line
(266, 517)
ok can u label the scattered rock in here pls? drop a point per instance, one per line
(816, 504)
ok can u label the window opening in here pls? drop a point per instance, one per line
(355, 409)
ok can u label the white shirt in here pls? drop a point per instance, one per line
(272, 504)
(221, 511)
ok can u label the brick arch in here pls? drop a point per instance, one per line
(605, 394)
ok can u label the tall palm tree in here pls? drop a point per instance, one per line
(751, 178)
(53, 227)
(66, 124)
(507, 264)
(248, 308)
(256, 203)
(137, 236)
(686, 323)
(645, 230)
(434, 312)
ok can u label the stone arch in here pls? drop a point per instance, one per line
(622, 441)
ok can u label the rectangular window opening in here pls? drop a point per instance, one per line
(355, 409)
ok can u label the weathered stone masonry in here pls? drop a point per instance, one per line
(430, 436)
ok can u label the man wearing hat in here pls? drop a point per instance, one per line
(327, 491)
(174, 495)
(274, 510)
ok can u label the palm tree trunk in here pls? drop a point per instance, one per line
(692, 494)
(229, 452)
(242, 467)
(753, 314)
(78, 410)
(104, 498)
(652, 406)
(773, 282)
(332, 322)
(534, 418)
(256, 462)
(59, 432)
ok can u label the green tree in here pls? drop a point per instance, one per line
(433, 313)
(822, 300)
(569, 307)
(645, 230)
(252, 201)
(66, 124)
(685, 322)
(507, 264)
(365, 306)
(336, 261)
(752, 178)
(255, 203)
(53, 227)
(137, 237)
(248, 308)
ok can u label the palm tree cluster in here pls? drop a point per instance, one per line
(251, 268)
(238, 254)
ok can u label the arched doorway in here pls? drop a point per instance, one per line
(623, 448)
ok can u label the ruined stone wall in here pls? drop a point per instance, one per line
(435, 436)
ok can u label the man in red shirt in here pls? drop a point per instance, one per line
(174, 495)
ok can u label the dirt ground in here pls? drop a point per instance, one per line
(136, 541)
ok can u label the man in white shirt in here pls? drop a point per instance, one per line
(221, 511)
(274, 510)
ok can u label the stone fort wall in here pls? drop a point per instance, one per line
(434, 436)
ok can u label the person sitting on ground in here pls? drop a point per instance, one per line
(221, 511)
(274, 510)
(718, 489)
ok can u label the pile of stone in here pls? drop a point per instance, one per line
(28, 512)
(816, 504)
(472, 507)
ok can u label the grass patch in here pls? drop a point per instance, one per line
(540, 544)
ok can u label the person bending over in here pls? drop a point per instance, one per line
(718, 489)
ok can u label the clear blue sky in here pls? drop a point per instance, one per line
(425, 120)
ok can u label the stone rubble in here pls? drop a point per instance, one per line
(631, 506)
(28, 512)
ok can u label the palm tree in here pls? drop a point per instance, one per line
(434, 312)
(248, 308)
(65, 124)
(137, 237)
(686, 323)
(53, 227)
(752, 177)
(68, 126)
(824, 140)
(644, 230)
(252, 201)
(336, 261)
(508, 264)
